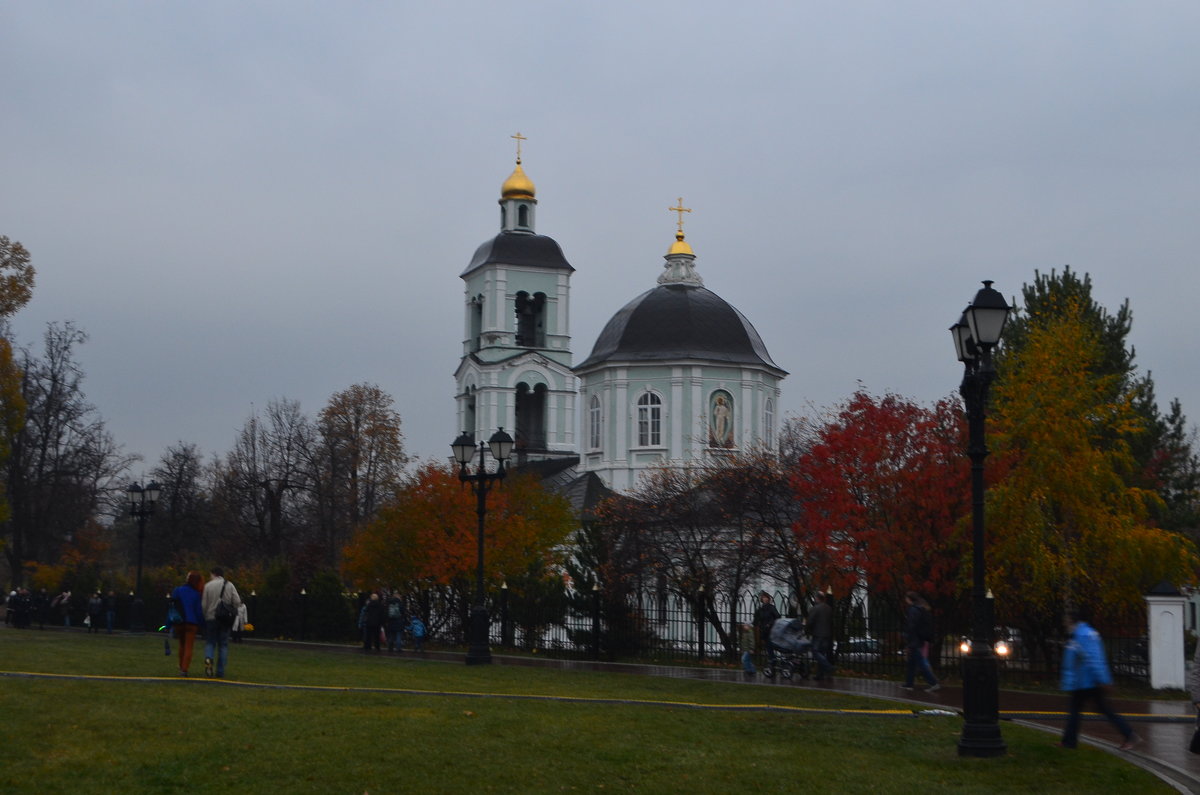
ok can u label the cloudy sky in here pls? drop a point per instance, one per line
(241, 201)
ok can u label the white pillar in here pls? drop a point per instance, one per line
(1164, 613)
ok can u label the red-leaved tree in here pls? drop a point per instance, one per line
(882, 487)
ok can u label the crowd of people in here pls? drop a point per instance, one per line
(384, 619)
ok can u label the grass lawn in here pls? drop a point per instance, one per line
(337, 723)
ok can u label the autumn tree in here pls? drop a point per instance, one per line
(1068, 522)
(16, 277)
(881, 487)
(425, 536)
(16, 288)
(357, 461)
(1163, 456)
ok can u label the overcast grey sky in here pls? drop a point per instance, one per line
(241, 201)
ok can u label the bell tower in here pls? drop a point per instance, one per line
(515, 369)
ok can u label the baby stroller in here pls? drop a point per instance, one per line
(787, 649)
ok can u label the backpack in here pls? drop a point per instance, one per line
(417, 627)
(925, 626)
(395, 609)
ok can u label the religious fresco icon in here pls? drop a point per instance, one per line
(720, 424)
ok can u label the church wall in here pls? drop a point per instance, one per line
(685, 389)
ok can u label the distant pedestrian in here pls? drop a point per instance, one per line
(23, 609)
(918, 635)
(63, 603)
(764, 619)
(1085, 677)
(746, 641)
(110, 611)
(396, 621)
(416, 628)
(372, 622)
(217, 590)
(95, 612)
(820, 628)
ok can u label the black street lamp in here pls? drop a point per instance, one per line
(975, 335)
(141, 506)
(482, 481)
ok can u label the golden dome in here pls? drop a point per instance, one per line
(517, 186)
(680, 246)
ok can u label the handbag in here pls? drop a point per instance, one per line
(225, 612)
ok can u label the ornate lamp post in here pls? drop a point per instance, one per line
(482, 481)
(975, 335)
(141, 506)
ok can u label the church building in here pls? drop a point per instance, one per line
(677, 376)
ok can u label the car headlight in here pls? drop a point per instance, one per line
(1001, 649)
(965, 647)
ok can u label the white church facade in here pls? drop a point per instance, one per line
(677, 376)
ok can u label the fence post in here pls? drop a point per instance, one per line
(700, 623)
(505, 626)
(596, 621)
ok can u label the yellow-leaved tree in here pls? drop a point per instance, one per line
(1067, 525)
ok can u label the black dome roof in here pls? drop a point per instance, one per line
(679, 321)
(520, 248)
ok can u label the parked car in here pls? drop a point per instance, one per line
(859, 650)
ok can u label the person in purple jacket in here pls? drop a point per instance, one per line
(1085, 676)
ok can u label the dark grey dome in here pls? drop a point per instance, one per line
(520, 248)
(678, 321)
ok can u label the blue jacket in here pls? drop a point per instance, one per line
(1084, 664)
(189, 599)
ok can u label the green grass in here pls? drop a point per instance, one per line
(123, 735)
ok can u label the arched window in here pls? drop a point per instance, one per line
(595, 427)
(531, 319)
(649, 420)
(523, 215)
(531, 417)
(769, 424)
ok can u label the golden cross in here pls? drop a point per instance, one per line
(519, 138)
(681, 210)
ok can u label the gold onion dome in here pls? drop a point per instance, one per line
(680, 246)
(517, 186)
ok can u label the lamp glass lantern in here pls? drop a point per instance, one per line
(501, 445)
(464, 448)
(987, 316)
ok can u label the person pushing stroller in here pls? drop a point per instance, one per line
(787, 648)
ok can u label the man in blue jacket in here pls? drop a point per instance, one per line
(1085, 676)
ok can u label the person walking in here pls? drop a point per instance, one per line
(746, 641)
(395, 621)
(372, 622)
(188, 601)
(110, 611)
(95, 609)
(918, 634)
(217, 590)
(820, 628)
(764, 619)
(1085, 677)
